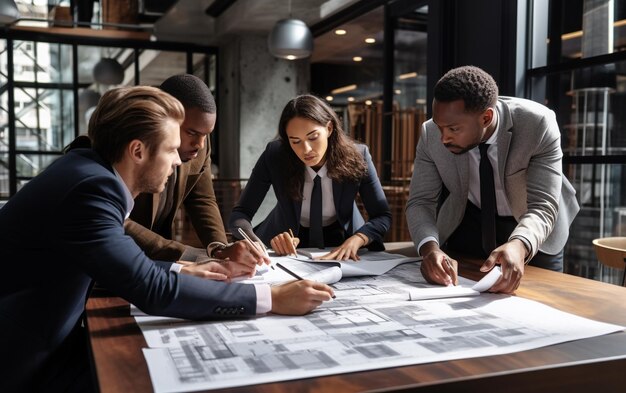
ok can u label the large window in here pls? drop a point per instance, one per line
(579, 70)
(372, 70)
(49, 88)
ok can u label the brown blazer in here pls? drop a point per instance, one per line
(194, 188)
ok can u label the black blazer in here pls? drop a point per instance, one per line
(61, 231)
(268, 171)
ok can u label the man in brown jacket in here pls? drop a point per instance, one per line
(150, 223)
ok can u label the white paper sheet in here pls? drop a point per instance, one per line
(370, 325)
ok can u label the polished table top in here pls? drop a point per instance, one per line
(597, 363)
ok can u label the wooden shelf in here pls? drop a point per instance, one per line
(83, 32)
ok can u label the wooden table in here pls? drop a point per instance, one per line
(596, 364)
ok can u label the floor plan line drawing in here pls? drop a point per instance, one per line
(370, 325)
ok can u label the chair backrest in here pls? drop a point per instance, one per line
(611, 251)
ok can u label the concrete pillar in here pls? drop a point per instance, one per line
(253, 89)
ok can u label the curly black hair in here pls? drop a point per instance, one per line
(475, 87)
(191, 91)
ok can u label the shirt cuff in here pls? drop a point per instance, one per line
(263, 298)
(426, 240)
(176, 267)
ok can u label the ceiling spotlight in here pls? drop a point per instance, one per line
(350, 99)
(370, 40)
(290, 39)
(408, 75)
(397, 91)
(343, 89)
(357, 58)
(368, 102)
(329, 98)
(340, 32)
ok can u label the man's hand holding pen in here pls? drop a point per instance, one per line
(437, 267)
(246, 257)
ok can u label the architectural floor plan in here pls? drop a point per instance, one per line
(370, 325)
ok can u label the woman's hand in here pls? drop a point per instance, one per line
(284, 244)
(348, 250)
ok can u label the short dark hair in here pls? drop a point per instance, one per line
(475, 87)
(191, 91)
(128, 113)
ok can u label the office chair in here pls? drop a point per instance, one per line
(611, 251)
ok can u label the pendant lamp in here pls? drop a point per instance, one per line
(290, 39)
(108, 72)
(8, 12)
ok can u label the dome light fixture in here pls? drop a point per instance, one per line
(290, 39)
(8, 12)
(108, 72)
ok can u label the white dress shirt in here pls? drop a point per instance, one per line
(329, 214)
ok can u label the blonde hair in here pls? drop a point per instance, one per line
(128, 113)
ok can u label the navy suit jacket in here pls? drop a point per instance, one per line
(64, 229)
(269, 171)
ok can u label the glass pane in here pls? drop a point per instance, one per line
(101, 68)
(3, 62)
(204, 67)
(30, 165)
(589, 105)
(409, 100)
(4, 100)
(156, 66)
(348, 68)
(584, 28)
(42, 62)
(44, 119)
(4, 176)
(601, 190)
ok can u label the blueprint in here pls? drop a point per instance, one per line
(370, 325)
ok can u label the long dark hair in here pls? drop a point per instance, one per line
(343, 160)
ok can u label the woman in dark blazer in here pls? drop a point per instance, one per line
(311, 142)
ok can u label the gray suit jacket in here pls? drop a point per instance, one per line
(529, 162)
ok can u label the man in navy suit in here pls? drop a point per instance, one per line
(66, 229)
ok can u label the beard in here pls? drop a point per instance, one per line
(152, 183)
(459, 149)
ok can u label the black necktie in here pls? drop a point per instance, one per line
(316, 235)
(487, 200)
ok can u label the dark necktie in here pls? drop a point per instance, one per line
(487, 200)
(316, 235)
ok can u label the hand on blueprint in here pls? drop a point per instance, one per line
(209, 270)
(245, 255)
(510, 256)
(437, 267)
(299, 297)
(348, 250)
(284, 243)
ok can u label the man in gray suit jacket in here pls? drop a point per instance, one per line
(522, 216)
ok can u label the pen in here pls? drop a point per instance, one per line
(449, 266)
(254, 244)
(291, 242)
(448, 263)
(294, 275)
